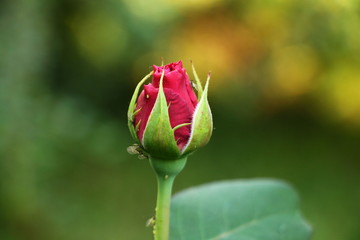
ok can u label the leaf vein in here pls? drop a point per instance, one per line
(244, 226)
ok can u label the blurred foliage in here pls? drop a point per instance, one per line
(285, 93)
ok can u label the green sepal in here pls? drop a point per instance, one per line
(197, 82)
(131, 110)
(158, 138)
(202, 125)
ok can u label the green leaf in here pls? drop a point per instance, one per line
(238, 210)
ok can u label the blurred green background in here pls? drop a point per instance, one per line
(285, 95)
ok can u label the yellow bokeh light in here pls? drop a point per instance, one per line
(155, 11)
(343, 93)
(223, 46)
(194, 4)
(293, 69)
(100, 37)
(268, 23)
(337, 5)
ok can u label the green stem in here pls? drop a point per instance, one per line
(162, 218)
(166, 171)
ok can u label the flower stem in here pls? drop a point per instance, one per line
(166, 171)
(162, 218)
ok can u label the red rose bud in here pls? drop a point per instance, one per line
(168, 119)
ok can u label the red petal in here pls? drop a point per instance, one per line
(179, 113)
(176, 79)
(179, 95)
(145, 103)
(191, 93)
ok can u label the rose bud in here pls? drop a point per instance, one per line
(168, 120)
